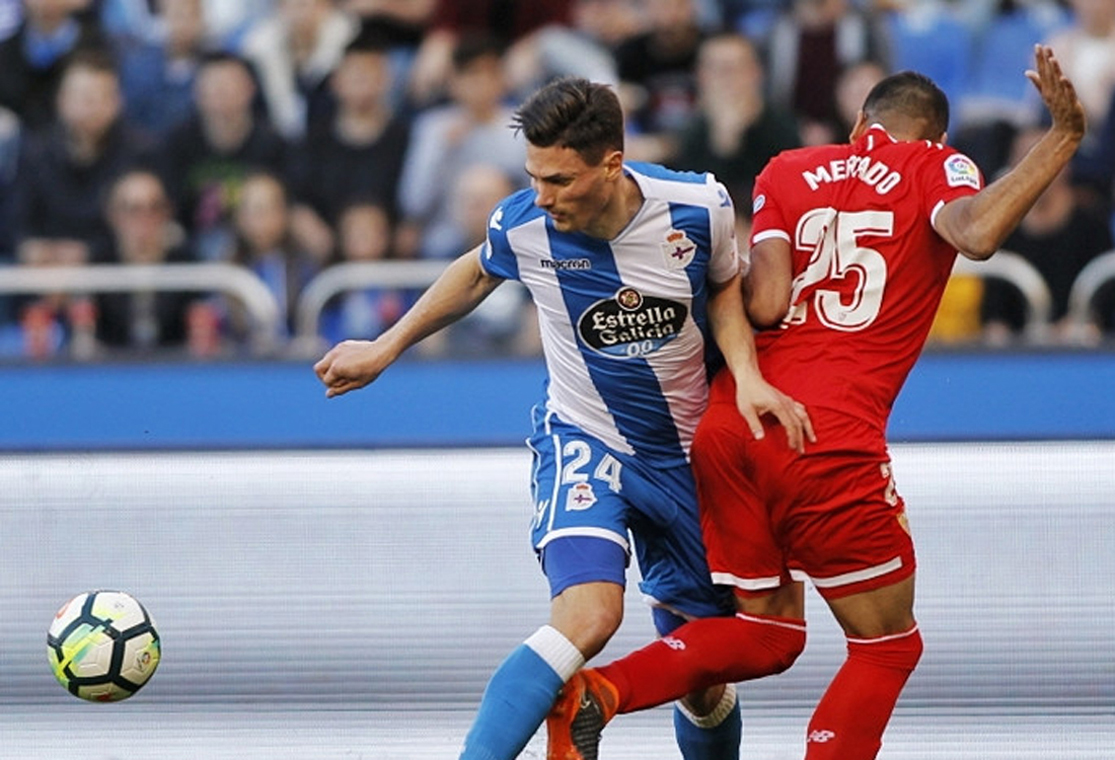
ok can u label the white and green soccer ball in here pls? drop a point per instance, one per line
(103, 646)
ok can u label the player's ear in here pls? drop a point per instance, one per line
(613, 165)
(859, 127)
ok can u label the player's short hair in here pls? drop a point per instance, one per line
(911, 95)
(575, 113)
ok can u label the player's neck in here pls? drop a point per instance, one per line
(619, 211)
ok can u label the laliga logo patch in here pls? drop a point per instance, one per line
(678, 250)
(758, 203)
(630, 324)
(580, 497)
(961, 171)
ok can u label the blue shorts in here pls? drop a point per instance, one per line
(594, 505)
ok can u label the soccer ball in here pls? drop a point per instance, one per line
(103, 646)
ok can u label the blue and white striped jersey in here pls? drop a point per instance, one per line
(623, 321)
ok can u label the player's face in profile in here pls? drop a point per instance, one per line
(573, 193)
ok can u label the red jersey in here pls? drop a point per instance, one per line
(869, 271)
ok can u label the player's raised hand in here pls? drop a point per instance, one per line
(1058, 92)
(350, 365)
(756, 397)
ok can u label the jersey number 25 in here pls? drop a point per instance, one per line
(843, 279)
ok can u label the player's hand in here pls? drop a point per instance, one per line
(1058, 93)
(350, 365)
(756, 397)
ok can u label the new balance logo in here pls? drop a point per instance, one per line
(821, 736)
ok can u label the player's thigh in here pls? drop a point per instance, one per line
(734, 486)
(846, 530)
(884, 611)
(665, 525)
(580, 515)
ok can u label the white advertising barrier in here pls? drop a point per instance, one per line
(403, 577)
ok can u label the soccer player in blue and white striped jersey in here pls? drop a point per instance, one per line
(636, 277)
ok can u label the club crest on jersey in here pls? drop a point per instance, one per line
(678, 250)
(580, 497)
(631, 324)
(960, 171)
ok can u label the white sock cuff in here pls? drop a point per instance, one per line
(558, 651)
(722, 710)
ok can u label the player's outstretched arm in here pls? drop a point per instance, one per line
(352, 364)
(977, 225)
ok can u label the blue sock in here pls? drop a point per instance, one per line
(518, 696)
(710, 742)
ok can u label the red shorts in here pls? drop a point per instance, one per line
(769, 515)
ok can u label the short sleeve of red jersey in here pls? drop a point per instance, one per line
(767, 219)
(946, 174)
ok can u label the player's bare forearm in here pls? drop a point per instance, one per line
(754, 395)
(978, 225)
(354, 364)
(730, 328)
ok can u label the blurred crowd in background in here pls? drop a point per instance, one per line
(286, 136)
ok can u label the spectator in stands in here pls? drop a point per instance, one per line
(265, 245)
(206, 158)
(10, 12)
(810, 43)
(140, 215)
(1086, 49)
(585, 48)
(157, 74)
(511, 22)
(402, 24)
(359, 154)
(1089, 59)
(1058, 236)
(734, 131)
(996, 102)
(293, 53)
(365, 234)
(33, 58)
(505, 323)
(658, 87)
(64, 171)
(471, 129)
(852, 85)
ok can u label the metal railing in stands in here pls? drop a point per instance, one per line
(1023, 275)
(265, 316)
(354, 275)
(419, 274)
(219, 277)
(1095, 274)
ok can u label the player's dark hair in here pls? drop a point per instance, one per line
(912, 95)
(573, 113)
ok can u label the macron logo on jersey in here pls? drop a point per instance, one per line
(495, 221)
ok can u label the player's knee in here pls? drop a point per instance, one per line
(590, 628)
(901, 652)
(789, 644)
(602, 623)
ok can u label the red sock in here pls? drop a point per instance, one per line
(849, 721)
(704, 653)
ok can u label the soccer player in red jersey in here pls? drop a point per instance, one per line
(851, 248)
